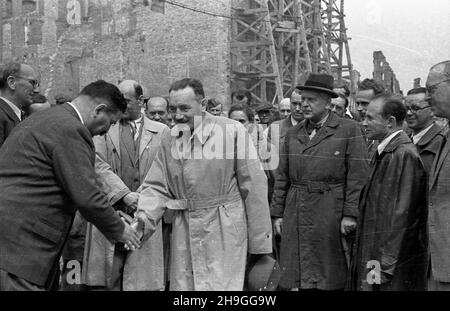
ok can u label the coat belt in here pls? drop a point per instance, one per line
(203, 203)
(317, 186)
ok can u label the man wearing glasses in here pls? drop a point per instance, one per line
(426, 134)
(18, 84)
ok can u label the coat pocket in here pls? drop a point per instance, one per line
(46, 231)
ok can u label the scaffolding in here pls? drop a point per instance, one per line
(276, 44)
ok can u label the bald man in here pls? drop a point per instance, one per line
(18, 84)
(157, 109)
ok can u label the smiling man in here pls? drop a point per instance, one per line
(18, 84)
(392, 230)
(426, 134)
(219, 202)
(317, 186)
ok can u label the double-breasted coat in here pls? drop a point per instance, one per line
(144, 267)
(219, 197)
(318, 183)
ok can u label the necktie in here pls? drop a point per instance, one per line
(133, 129)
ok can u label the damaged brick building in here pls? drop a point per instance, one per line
(73, 42)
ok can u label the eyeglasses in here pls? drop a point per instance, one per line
(415, 108)
(34, 83)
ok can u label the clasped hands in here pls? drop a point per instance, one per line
(134, 227)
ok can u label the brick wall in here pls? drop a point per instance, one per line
(74, 42)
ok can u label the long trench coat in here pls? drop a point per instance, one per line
(392, 231)
(318, 183)
(219, 201)
(144, 267)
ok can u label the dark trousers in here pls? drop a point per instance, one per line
(10, 282)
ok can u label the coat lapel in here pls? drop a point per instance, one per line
(438, 165)
(114, 134)
(9, 112)
(147, 135)
(327, 130)
(432, 132)
(302, 135)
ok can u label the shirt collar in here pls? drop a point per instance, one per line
(386, 141)
(416, 138)
(78, 113)
(16, 109)
(293, 121)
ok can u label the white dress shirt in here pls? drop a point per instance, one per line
(386, 141)
(78, 113)
(416, 138)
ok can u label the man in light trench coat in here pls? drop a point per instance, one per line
(218, 194)
(124, 156)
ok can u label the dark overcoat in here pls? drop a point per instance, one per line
(439, 215)
(430, 145)
(392, 230)
(318, 183)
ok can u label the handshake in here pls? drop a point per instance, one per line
(134, 227)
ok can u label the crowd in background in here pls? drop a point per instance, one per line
(358, 200)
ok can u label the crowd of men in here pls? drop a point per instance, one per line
(112, 191)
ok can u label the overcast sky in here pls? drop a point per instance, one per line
(413, 35)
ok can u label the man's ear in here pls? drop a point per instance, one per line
(11, 81)
(203, 103)
(99, 108)
(392, 122)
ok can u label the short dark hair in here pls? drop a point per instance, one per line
(371, 84)
(104, 90)
(243, 93)
(138, 91)
(392, 107)
(39, 99)
(195, 84)
(62, 99)
(211, 103)
(8, 69)
(417, 90)
(246, 110)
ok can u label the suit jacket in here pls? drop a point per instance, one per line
(430, 145)
(143, 268)
(8, 120)
(46, 174)
(439, 215)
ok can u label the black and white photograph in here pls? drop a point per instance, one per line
(224, 153)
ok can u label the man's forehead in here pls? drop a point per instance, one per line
(416, 97)
(157, 103)
(27, 71)
(365, 96)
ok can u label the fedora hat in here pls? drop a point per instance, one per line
(320, 83)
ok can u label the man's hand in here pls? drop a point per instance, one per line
(348, 225)
(277, 224)
(130, 237)
(131, 200)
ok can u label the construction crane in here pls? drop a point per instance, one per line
(276, 44)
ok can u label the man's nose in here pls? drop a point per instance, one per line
(157, 117)
(359, 107)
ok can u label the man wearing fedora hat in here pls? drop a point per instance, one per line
(438, 86)
(317, 186)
